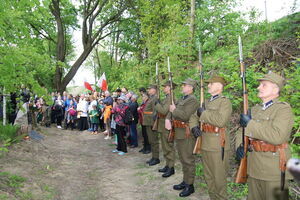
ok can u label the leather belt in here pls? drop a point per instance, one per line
(211, 129)
(148, 113)
(259, 145)
(262, 146)
(214, 129)
(161, 116)
(181, 124)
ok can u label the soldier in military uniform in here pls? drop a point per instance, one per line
(269, 128)
(148, 122)
(180, 115)
(215, 142)
(162, 109)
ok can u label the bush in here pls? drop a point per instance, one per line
(9, 132)
(8, 135)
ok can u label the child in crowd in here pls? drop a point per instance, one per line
(94, 117)
(107, 114)
(71, 115)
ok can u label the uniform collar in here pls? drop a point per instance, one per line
(214, 97)
(266, 105)
(185, 97)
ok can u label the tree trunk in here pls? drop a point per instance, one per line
(192, 22)
(60, 46)
(116, 47)
(90, 36)
(98, 60)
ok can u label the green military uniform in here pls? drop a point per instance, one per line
(271, 123)
(162, 109)
(148, 122)
(217, 114)
(185, 107)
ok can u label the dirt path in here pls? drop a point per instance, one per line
(73, 165)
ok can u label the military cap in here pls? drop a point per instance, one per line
(190, 82)
(217, 79)
(167, 83)
(274, 78)
(152, 86)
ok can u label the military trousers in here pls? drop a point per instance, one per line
(264, 190)
(154, 141)
(215, 173)
(168, 149)
(185, 151)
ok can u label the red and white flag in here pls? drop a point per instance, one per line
(102, 82)
(88, 86)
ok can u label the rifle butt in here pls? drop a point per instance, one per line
(171, 135)
(155, 125)
(197, 147)
(241, 176)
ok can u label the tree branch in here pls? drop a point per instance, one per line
(41, 33)
(108, 21)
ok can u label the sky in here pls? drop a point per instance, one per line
(275, 10)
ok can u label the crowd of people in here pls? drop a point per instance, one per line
(115, 115)
(268, 128)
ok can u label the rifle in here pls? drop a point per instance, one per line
(172, 131)
(197, 147)
(155, 125)
(241, 176)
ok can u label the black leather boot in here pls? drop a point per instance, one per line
(163, 170)
(169, 172)
(148, 161)
(155, 161)
(180, 186)
(188, 190)
(142, 150)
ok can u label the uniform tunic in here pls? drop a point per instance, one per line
(148, 122)
(217, 113)
(185, 107)
(167, 147)
(272, 123)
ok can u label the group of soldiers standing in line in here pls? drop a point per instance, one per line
(268, 127)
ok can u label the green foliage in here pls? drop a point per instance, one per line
(9, 133)
(237, 191)
(8, 136)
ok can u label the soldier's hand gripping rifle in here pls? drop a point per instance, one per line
(155, 125)
(172, 131)
(241, 176)
(197, 147)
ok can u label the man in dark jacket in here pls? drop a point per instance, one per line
(108, 99)
(133, 105)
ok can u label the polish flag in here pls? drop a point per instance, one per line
(102, 82)
(88, 86)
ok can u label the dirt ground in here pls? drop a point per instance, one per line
(73, 165)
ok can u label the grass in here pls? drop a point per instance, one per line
(11, 185)
(8, 136)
